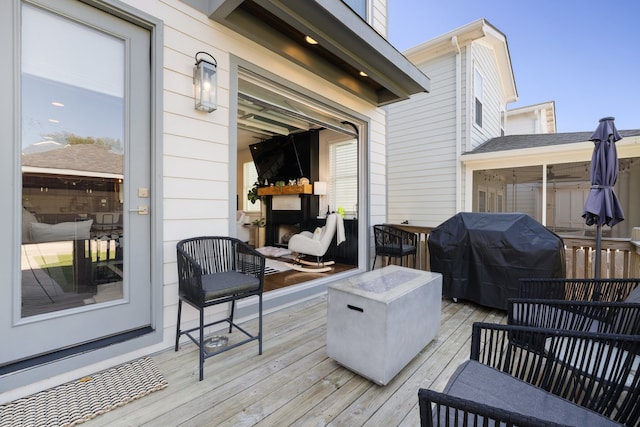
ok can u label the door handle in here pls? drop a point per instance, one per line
(142, 210)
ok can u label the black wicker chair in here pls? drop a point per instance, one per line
(393, 242)
(597, 371)
(218, 270)
(516, 385)
(579, 289)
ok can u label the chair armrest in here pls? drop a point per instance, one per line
(249, 261)
(437, 408)
(402, 236)
(389, 235)
(577, 289)
(189, 275)
(587, 316)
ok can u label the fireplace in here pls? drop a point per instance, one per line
(282, 223)
(284, 233)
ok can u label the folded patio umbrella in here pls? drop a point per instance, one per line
(602, 205)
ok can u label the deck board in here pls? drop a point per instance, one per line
(294, 382)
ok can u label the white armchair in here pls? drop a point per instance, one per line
(315, 244)
(242, 231)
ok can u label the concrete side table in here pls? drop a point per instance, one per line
(379, 320)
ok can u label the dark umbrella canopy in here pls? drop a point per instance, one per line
(602, 205)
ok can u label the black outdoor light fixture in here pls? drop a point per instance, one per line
(205, 83)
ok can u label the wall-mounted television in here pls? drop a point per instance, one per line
(285, 158)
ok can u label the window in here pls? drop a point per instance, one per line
(249, 177)
(343, 168)
(477, 90)
(358, 6)
(482, 200)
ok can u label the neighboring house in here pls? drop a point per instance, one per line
(119, 74)
(471, 85)
(532, 119)
(547, 177)
(459, 148)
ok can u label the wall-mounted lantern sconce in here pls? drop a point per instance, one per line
(205, 83)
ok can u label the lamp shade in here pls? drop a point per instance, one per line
(319, 188)
(205, 84)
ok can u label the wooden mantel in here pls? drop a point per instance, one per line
(285, 189)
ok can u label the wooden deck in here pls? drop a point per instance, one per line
(294, 382)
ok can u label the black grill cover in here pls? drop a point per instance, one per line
(481, 256)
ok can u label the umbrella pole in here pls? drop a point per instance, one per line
(597, 257)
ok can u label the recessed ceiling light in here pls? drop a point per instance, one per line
(57, 104)
(363, 74)
(310, 40)
(54, 121)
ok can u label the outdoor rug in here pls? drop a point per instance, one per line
(81, 400)
(274, 266)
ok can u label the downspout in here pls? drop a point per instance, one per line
(454, 42)
(544, 195)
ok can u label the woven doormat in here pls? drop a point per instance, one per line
(81, 400)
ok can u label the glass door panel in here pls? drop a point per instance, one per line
(72, 166)
(82, 260)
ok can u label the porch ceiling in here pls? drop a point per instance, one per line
(346, 45)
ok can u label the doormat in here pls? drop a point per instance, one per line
(86, 398)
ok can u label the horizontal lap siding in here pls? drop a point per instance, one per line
(422, 152)
(493, 96)
(196, 151)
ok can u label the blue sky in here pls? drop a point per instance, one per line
(578, 53)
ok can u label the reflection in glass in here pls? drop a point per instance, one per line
(72, 165)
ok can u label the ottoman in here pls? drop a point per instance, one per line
(379, 320)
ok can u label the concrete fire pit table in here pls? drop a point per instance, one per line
(379, 320)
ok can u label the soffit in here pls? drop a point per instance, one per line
(346, 45)
(261, 109)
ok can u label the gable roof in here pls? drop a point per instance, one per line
(76, 159)
(517, 142)
(478, 31)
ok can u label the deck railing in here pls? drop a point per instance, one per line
(620, 258)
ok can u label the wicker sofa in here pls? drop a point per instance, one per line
(575, 378)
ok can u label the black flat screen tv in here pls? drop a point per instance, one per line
(281, 159)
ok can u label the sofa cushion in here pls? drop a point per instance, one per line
(78, 230)
(27, 219)
(634, 295)
(225, 283)
(317, 233)
(487, 386)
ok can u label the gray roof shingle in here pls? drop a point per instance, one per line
(516, 142)
(79, 157)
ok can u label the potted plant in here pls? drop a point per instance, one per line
(252, 194)
(259, 227)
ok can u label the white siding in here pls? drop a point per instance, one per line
(196, 149)
(493, 97)
(378, 16)
(196, 145)
(421, 150)
(522, 124)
